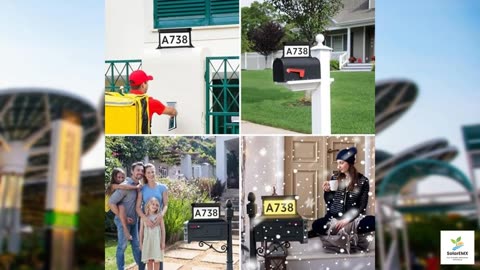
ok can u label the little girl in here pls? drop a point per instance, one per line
(117, 177)
(152, 240)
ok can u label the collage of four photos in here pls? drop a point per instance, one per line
(263, 158)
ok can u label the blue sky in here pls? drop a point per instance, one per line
(435, 44)
(56, 44)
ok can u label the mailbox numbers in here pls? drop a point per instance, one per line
(174, 40)
(296, 51)
(279, 207)
(206, 213)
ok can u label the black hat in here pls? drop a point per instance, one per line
(347, 155)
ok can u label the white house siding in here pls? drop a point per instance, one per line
(178, 73)
(123, 29)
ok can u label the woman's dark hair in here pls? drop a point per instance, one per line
(353, 174)
(113, 180)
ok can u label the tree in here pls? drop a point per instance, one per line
(254, 16)
(266, 38)
(310, 16)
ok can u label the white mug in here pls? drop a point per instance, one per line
(333, 185)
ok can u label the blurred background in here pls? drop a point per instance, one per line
(426, 97)
(55, 45)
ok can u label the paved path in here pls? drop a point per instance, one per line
(251, 128)
(183, 256)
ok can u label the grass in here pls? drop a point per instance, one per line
(352, 94)
(110, 252)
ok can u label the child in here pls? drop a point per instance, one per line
(118, 176)
(152, 240)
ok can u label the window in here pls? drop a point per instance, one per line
(190, 13)
(163, 172)
(337, 43)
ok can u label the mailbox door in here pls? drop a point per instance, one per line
(207, 231)
(281, 230)
(294, 69)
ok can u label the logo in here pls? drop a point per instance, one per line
(463, 249)
(458, 244)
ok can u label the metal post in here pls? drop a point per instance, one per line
(229, 236)
(251, 212)
(406, 247)
(381, 240)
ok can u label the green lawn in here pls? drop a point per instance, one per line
(353, 103)
(111, 250)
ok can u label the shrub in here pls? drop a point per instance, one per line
(179, 211)
(205, 184)
(181, 194)
(334, 65)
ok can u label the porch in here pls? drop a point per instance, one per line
(358, 42)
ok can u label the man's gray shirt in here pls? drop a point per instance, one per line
(127, 198)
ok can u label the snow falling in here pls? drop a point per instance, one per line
(266, 173)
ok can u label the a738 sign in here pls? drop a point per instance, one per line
(279, 205)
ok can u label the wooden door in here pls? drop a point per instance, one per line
(304, 170)
(309, 161)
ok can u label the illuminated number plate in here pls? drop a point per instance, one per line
(175, 38)
(300, 50)
(279, 205)
(205, 211)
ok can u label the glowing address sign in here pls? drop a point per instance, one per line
(279, 205)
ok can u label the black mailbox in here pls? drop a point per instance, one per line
(280, 221)
(282, 229)
(206, 224)
(204, 230)
(295, 68)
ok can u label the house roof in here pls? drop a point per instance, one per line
(354, 12)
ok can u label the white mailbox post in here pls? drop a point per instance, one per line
(321, 111)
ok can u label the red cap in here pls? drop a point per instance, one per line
(138, 77)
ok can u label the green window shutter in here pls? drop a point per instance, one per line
(224, 12)
(179, 13)
(191, 13)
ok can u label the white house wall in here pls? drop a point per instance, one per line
(221, 157)
(123, 24)
(179, 77)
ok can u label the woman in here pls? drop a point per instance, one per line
(347, 205)
(152, 189)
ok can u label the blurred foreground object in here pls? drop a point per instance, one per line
(43, 132)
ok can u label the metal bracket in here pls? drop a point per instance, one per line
(210, 246)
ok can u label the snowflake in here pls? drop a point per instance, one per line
(370, 238)
(263, 152)
(309, 203)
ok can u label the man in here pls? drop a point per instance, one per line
(139, 86)
(128, 199)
